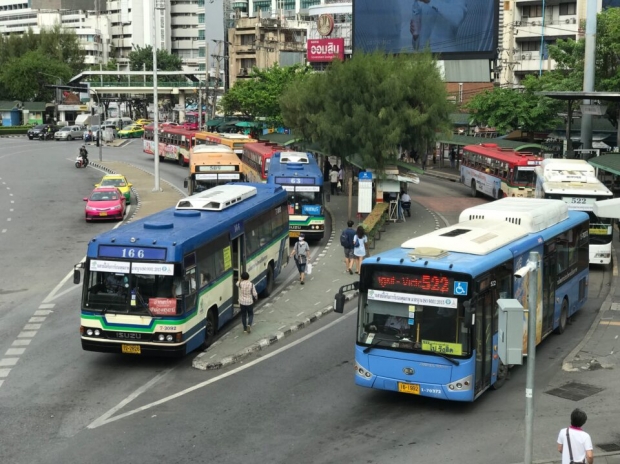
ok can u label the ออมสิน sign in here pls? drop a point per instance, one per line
(325, 50)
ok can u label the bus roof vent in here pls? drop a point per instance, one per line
(217, 198)
(212, 149)
(532, 214)
(294, 157)
(567, 170)
(427, 252)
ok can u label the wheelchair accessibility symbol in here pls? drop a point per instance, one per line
(460, 288)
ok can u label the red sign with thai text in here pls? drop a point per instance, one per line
(322, 50)
(163, 306)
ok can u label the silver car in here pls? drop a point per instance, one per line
(70, 133)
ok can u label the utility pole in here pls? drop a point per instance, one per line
(511, 45)
(589, 71)
(157, 5)
(217, 78)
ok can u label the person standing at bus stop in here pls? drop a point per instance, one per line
(247, 296)
(574, 444)
(333, 180)
(301, 254)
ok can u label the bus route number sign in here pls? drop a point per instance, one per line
(123, 252)
(295, 180)
(402, 282)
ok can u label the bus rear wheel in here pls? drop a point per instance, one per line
(210, 324)
(502, 376)
(270, 283)
(563, 318)
(474, 192)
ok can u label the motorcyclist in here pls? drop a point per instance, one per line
(49, 132)
(84, 154)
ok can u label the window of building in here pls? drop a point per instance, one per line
(201, 66)
(201, 2)
(308, 3)
(532, 11)
(531, 46)
(247, 39)
(568, 9)
(201, 18)
(201, 52)
(201, 34)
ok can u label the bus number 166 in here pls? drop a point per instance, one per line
(132, 253)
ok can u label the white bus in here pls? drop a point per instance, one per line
(574, 182)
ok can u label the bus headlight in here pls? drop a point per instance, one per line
(176, 337)
(602, 255)
(461, 384)
(359, 370)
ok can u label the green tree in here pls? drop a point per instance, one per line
(142, 57)
(370, 105)
(26, 78)
(259, 95)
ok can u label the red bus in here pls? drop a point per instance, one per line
(256, 157)
(175, 143)
(499, 172)
(191, 120)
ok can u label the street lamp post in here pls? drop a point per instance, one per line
(157, 5)
(100, 135)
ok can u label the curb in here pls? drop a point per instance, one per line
(559, 461)
(567, 363)
(450, 177)
(263, 343)
(17, 136)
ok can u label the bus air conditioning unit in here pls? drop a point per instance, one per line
(217, 198)
(294, 157)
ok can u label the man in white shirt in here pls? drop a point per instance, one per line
(580, 444)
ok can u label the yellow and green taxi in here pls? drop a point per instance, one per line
(133, 131)
(119, 181)
(144, 122)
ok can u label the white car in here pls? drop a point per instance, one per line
(70, 133)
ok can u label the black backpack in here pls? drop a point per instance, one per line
(344, 239)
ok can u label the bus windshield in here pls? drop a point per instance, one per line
(600, 229)
(434, 329)
(302, 202)
(524, 176)
(113, 292)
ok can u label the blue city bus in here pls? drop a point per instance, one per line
(299, 174)
(428, 318)
(164, 285)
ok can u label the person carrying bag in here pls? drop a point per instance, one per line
(301, 254)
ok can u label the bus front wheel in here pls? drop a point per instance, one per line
(270, 283)
(474, 192)
(210, 324)
(563, 318)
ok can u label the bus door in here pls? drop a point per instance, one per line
(549, 279)
(238, 261)
(485, 308)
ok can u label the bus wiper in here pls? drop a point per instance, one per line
(445, 356)
(371, 346)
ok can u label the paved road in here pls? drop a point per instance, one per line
(293, 401)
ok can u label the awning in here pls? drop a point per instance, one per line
(609, 163)
(410, 179)
(576, 136)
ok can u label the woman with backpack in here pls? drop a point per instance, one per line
(301, 254)
(359, 246)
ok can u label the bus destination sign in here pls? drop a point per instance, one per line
(131, 252)
(295, 180)
(401, 282)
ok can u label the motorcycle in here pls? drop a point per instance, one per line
(45, 136)
(406, 205)
(81, 162)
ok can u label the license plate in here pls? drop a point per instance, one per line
(103, 214)
(293, 234)
(411, 388)
(130, 349)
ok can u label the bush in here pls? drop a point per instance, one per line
(13, 130)
(375, 220)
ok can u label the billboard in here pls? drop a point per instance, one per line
(456, 29)
(323, 50)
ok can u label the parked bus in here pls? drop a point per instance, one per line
(212, 165)
(234, 141)
(175, 143)
(301, 177)
(191, 120)
(498, 172)
(428, 321)
(574, 182)
(165, 284)
(256, 157)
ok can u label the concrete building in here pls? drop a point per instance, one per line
(528, 30)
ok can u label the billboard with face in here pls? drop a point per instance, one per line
(455, 29)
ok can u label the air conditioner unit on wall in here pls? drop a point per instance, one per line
(568, 21)
(517, 23)
(574, 20)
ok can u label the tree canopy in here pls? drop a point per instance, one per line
(259, 95)
(29, 62)
(370, 106)
(142, 57)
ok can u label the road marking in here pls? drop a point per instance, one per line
(615, 323)
(8, 219)
(43, 312)
(24, 342)
(47, 305)
(36, 319)
(32, 326)
(106, 418)
(25, 334)
(4, 372)
(299, 314)
(4, 231)
(15, 351)
(8, 362)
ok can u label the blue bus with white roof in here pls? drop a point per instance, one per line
(300, 175)
(427, 316)
(165, 284)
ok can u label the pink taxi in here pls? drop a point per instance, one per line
(105, 203)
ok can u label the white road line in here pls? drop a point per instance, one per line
(8, 219)
(1, 382)
(4, 231)
(47, 306)
(15, 351)
(52, 294)
(43, 312)
(27, 334)
(299, 314)
(33, 319)
(4, 372)
(11, 210)
(24, 342)
(4, 362)
(64, 292)
(32, 326)
(104, 419)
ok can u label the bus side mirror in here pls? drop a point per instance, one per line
(185, 183)
(76, 276)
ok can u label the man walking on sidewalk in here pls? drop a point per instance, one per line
(301, 254)
(333, 180)
(346, 240)
(574, 444)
